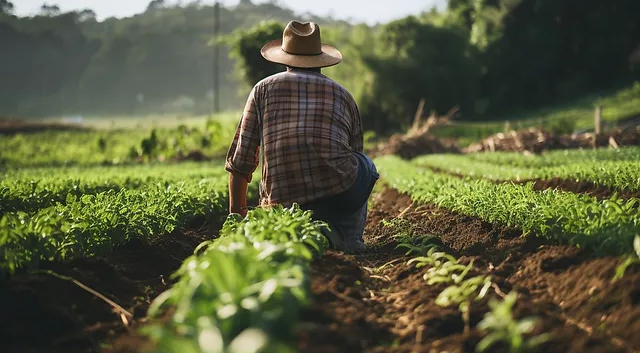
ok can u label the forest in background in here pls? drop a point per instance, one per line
(159, 61)
(488, 57)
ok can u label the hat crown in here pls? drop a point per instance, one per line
(302, 38)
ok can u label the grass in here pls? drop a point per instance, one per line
(578, 114)
(144, 122)
(135, 139)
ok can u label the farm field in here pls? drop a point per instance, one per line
(599, 172)
(467, 253)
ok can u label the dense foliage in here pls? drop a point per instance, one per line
(604, 226)
(116, 146)
(487, 57)
(55, 214)
(614, 168)
(158, 61)
(243, 291)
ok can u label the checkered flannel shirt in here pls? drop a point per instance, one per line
(308, 127)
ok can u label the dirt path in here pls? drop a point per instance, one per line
(44, 313)
(376, 303)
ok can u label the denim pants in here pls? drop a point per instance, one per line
(346, 213)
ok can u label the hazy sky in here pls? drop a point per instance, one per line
(370, 11)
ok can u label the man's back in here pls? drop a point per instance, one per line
(308, 127)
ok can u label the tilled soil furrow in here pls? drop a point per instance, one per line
(367, 307)
(44, 313)
(576, 186)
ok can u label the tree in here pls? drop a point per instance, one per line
(245, 49)
(155, 5)
(419, 60)
(86, 15)
(49, 10)
(6, 7)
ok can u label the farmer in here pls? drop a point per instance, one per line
(310, 133)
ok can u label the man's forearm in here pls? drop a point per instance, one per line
(238, 193)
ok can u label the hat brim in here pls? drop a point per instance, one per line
(273, 52)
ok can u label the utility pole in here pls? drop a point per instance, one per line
(216, 58)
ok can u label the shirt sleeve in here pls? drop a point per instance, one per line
(242, 157)
(356, 138)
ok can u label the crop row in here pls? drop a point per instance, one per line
(464, 288)
(31, 189)
(241, 292)
(604, 226)
(95, 224)
(558, 157)
(620, 175)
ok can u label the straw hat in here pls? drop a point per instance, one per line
(301, 47)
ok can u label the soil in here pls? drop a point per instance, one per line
(582, 187)
(13, 126)
(370, 302)
(375, 302)
(578, 187)
(410, 146)
(44, 313)
(537, 141)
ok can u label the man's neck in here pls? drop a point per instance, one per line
(314, 69)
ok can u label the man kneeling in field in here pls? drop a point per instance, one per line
(310, 132)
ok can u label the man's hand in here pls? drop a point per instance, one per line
(238, 193)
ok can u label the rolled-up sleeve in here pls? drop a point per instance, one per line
(243, 154)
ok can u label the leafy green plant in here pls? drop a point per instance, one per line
(252, 281)
(629, 260)
(443, 268)
(617, 170)
(601, 226)
(464, 292)
(49, 216)
(503, 327)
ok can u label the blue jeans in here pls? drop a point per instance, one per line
(346, 213)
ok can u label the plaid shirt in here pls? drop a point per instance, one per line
(308, 127)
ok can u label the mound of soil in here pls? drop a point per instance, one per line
(536, 141)
(413, 145)
(44, 313)
(376, 302)
(582, 187)
(569, 185)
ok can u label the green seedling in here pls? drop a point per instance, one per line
(502, 327)
(420, 246)
(629, 260)
(254, 277)
(600, 226)
(474, 288)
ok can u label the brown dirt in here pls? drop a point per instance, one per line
(362, 305)
(536, 140)
(372, 302)
(12, 126)
(410, 146)
(578, 187)
(582, 187)
(42, 313)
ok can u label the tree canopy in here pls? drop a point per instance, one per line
(488, 57)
